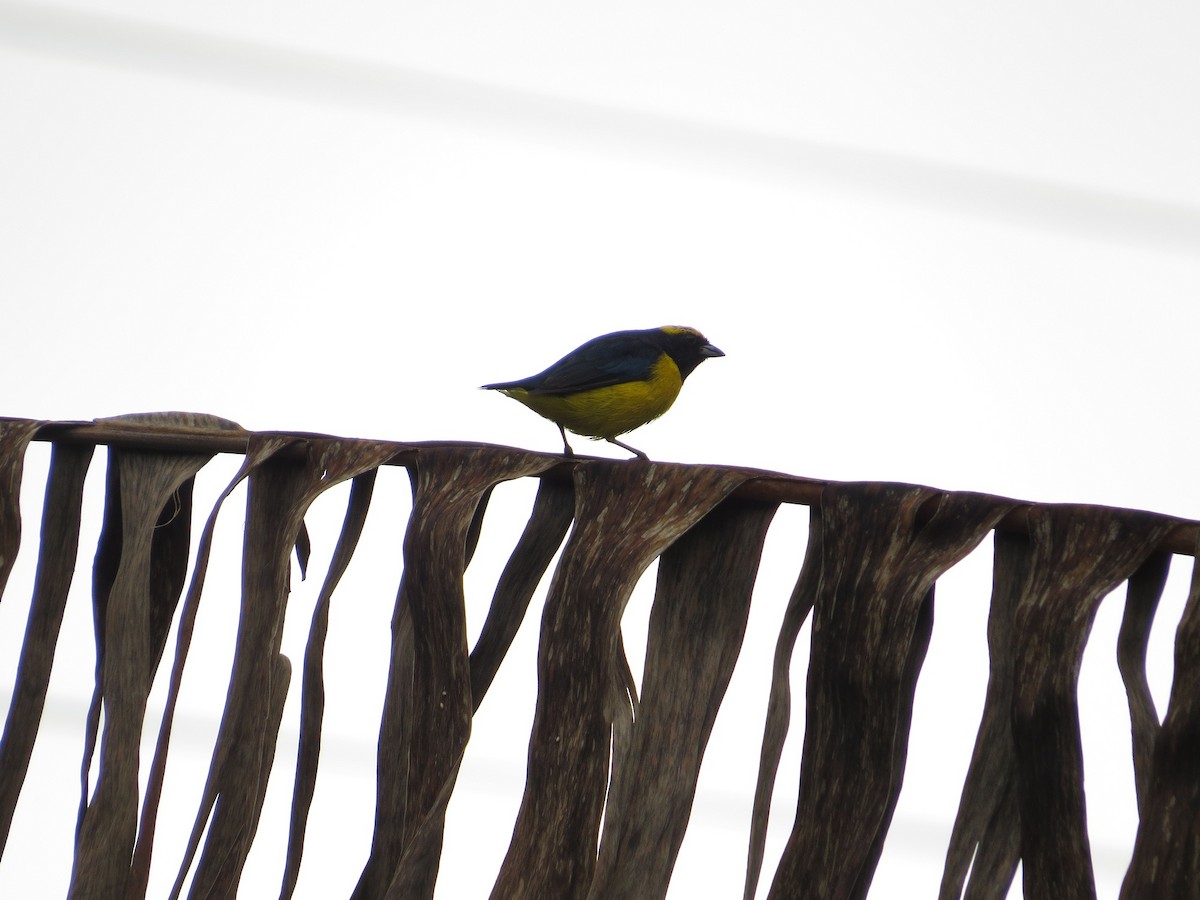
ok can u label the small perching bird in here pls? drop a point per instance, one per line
(614, 383)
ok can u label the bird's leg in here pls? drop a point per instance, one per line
(567, 451)
(634, 450)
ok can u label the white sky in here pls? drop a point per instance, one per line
(939, 244)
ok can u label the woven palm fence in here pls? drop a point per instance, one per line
(611, 774)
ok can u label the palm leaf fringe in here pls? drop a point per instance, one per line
(611, 776)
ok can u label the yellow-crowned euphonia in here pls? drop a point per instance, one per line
(614, 383)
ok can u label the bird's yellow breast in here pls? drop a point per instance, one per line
(613, 410)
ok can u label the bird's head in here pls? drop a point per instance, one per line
(687, 347)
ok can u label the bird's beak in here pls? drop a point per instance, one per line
(710, 350)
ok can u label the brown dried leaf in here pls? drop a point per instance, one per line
(987, 831)
(1141, 601)
(697, 623)
(627, 515)
(870, 630)
(1078, 555)
(15, 435)
(58, 547)
(312, 705)
(146, 482)
(779, 702)
(140, 869)
(1166, 853)
(428, 706)
(281, 490)
(553, 512)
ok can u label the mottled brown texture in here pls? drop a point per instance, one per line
(1024, 795)
(140, 869)
(697, 623)
(15, 435)
(553, 512)
(596, 752)
(56, 568)
(280, 492)
(1077, 556)
(428, 706)
(879, 559)
(987, 831)
(779, 702)
(1166, 853)
(312, 702)
(127, 610)
(626, 515)
(1141, 601)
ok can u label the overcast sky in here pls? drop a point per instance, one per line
(938, 244)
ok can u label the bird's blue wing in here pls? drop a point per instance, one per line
(603, 361)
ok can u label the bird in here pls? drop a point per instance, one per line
(614, 383)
